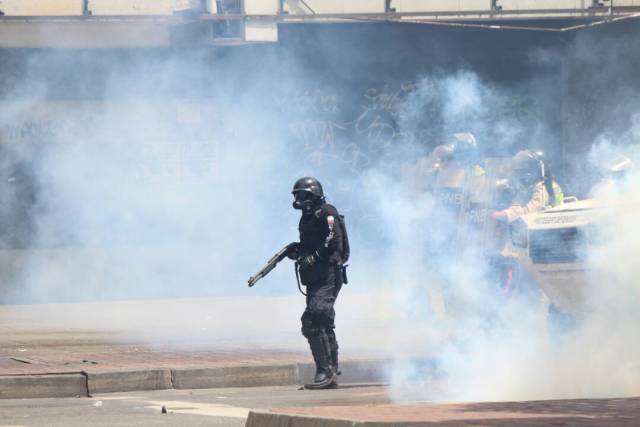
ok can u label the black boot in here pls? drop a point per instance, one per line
(325, 375)
(333, 345)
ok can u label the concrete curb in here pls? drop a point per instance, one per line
(267, 419)
(273, 375)
(370, 371)
(237, 376)
(88, 383)
(48, 385)
(118, 381)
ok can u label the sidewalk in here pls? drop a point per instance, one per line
(66, 350)
(77, 349)
(577, 412)
(85, 369)
(27, 360)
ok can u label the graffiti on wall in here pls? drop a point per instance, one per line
(328, 130)
(338, 133)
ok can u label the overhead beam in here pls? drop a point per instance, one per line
(490, 14)
(126, 31)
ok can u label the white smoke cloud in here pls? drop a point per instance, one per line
(158, 194)
(486, 346)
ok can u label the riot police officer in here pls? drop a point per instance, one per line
(556, 194)
(320, 255)
(531, 195)
(456, 192)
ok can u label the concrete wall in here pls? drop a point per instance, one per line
(138, 7)
(261, 7)
(336, 6)
(41, 7)
(439, 5)
(543, 4)
(83, 35)
(261, 31)
(98, 7)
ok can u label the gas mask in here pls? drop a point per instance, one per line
(305, 201)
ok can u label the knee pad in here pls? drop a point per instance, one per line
(309, 329)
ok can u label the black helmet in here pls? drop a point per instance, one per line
(539, 154)
(443, 152)
(465, 147)
(308, 194)
(527, 167)
(464, 139)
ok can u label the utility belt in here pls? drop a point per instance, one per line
(340, 273)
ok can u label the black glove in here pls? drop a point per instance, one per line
(293, 250)
(307, 261)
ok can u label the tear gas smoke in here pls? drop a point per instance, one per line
(491, 348)
(157, 190)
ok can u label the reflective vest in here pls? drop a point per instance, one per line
(558, 194)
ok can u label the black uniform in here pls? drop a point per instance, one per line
(323, 279)
(320, 254)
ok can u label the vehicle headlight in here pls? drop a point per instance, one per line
(519, 233)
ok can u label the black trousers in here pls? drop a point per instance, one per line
(322, 291)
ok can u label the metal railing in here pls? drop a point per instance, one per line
(234, 10)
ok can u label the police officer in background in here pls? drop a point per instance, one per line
(459, 161)
(530, 191)
(556, 195)
(320, 255)
(458, 183)
(525, 192)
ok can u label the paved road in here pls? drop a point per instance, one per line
(215, 407)
(360, 403)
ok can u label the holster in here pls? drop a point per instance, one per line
(340, 278)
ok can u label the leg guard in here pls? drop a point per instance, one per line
(325, 375)
(333, 346)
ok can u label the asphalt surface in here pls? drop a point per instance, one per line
(208, 407)
(352, 404)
